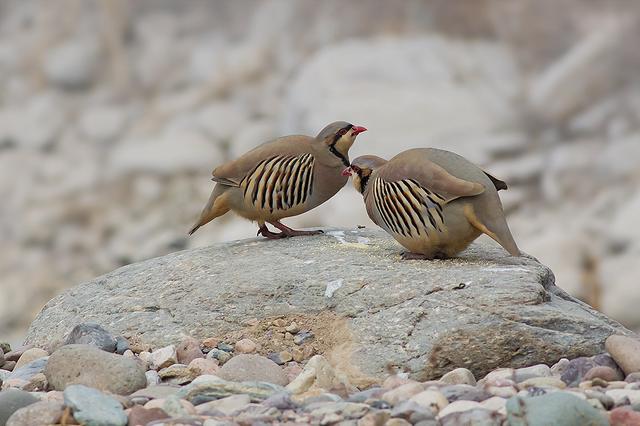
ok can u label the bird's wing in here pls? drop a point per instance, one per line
(233, 172)
(430, 176)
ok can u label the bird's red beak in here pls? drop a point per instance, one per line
(347, 172)
(358, 129)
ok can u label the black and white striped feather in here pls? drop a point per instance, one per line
(408, 208)
(279, 183)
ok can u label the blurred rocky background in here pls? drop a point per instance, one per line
(113, 114)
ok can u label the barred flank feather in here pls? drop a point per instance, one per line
(407, 208)
(280, 182)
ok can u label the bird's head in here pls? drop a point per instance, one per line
(338, 138)
(361, 169)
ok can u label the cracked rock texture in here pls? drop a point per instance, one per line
(369, 310)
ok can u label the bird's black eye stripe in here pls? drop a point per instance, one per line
(341, 133)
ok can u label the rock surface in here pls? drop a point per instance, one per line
(90, 366)
(368, 308)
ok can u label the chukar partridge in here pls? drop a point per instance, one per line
(433, 202)
(281, 178)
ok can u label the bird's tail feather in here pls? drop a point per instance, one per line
(495, 227)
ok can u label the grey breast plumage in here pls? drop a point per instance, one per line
(279, 182)
(408, 208)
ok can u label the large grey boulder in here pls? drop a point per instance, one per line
(369, 309)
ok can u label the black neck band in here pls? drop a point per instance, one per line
(338, 154)
(364, 180)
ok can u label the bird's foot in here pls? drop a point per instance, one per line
(288, 232)
(264, 231)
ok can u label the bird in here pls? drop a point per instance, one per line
(433, 202)
(281, 178)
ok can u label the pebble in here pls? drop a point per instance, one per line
(172, 405)
(210, 343)
(8, 365)
(559, 367)
(153, 378)
(374, 418)
(297, 354)
(122, 345)
(408, 409)
(402, 392)
(30, 355)
(502, 391)
(541, 382)
(605, 373)
(177, 374)
(431, 399)
(495, 403)
(625, 351)
(497, 375)
(632, 378)
(464, 392)
(16, 353)
(87, 365)
(475, 416)
(558, 409)
(225, 347)
(26, 372)
(624, 416)
(38, 382)
(458, 406)
(188, 350)
(302, 337)
(227, 405)
(91, 334)
(280, 358)
(37, 414)
(142, 416)
(163, 357)
(220, 355)
(539, 370)
(459, 376)
(92, 407)
(317, 374)
(246, 367)
(202, 366)
(292, 328)
(619, 395)
(11, 400)
(245, 346)
(292, 371)
(397, 422)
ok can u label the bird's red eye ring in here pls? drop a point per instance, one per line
(342, 132)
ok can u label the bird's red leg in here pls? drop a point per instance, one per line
(292, 232)
(263, 230)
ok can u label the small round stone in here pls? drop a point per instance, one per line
(292, 328)
(188, 350)
(604, 373)
(202, 366)
(625, 351)
(245, 346)
(246, 367)
(30, 355)
(91, 334)
(459, 376)
(225, 347)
